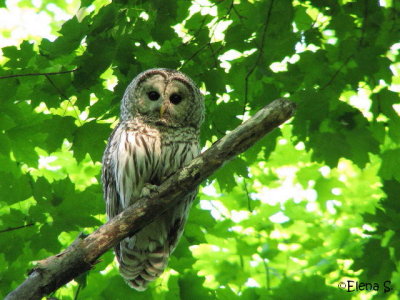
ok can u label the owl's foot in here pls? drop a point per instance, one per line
(148, 189)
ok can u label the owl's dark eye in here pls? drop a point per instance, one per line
(153, 95)
(175, 98)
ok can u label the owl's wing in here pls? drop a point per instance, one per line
(177, 217)
(110, 192)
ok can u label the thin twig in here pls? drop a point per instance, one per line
(16, 228)
(238, 15)
(65, 97)
(260, 53)
(315, 21)
(77, 291)
(38, 74)
(211, 33)
(248, 196)
(364, 24)
(267, 276)
(218, 130)
(56, 87)
(336, 73)
(227, 14)
(216, 62)
(219, 211)
(193, 55)
(197, 31)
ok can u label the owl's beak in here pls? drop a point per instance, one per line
(162, 110)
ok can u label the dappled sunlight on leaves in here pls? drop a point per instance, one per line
(312, 204)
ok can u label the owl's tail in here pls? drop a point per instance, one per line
(139, 267)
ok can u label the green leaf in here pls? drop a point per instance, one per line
(94, 62)
(89, 138)
(72, 32)
(19, 58)
(375, 272)
(390, 162)
(14, 189)
(305, 174)
(383, 103)
(58, 128)
(191, 287)
(104, 20)
(47, 238)
(225, 176)
(5, 145)
(317, 193)
(302, 19)
(329, 147)
(86, 3)
(313, 286)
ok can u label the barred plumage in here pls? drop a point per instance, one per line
(155, 137)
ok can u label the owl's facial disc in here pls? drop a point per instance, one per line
(170, 100)
(149, 97)
(177, 101)
(153, 95)
(165, 99)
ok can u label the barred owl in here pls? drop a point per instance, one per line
(158, 132)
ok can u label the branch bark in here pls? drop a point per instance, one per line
(55, 271)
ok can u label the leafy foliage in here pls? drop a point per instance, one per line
(313, 204)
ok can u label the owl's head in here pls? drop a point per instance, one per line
(163, 97)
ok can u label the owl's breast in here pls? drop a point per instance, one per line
(175, 154)
(149, 155)
(137, 160)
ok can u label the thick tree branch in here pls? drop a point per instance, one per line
(53, 272)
